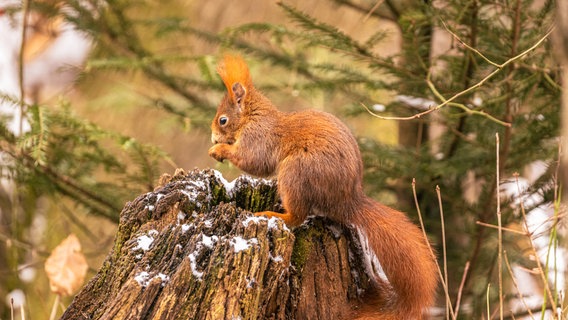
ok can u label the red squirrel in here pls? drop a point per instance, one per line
(319, 171)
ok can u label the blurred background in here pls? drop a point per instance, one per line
(102, 97)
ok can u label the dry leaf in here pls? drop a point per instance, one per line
(66, 267)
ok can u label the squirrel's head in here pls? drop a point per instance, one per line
(227, 122)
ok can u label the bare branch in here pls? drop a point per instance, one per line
(500, 230)
(443, 280)
(460, 290)
(468, 90)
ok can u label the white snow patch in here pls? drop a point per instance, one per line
(165, 278)
(180, 216)
(256, 181)
(193, 263)
(273, 224)
(337, 232)
(379, 107)
(416, 102)
(143, 278)
(209, 242)
(185, 227)
(206, 241)
(149, 207)
(239, 244)
(254, 219)
(372, 262)
(159, 196)
(276, 259)
(191, 195)
(229, 186)
(197, 183)
(144, 243)
(208, 223)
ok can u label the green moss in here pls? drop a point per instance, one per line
(218, 194)
(302, 246)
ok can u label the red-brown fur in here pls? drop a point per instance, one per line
(319, 169)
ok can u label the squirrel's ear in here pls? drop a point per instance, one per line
(239, 93)
(235, 74)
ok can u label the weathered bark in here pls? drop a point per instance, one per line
(192, 250)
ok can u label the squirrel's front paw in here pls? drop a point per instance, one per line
(217, 152)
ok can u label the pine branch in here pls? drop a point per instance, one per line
(326, 34)
(37, 139)
(64, 183)
(122, 36)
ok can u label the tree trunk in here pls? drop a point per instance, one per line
(192, 250)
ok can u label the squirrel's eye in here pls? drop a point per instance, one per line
(223, 120)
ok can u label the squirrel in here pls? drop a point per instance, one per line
(319, 171)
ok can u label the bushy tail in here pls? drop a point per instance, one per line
(405, 259)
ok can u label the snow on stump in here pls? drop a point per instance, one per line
(193, 250)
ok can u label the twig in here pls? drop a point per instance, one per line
(462, 106)
(521, 314)
(499, 231)
(363, 9)
(416, 116)
(22, 244)
(487, 301)
(373, 9)
(460, 291)
(433, 255)
(443, 245)
(534, 253)
(468, 46)
(54, 307)
(468, 90)
(502, 228)
(516, 284)
(554, 231)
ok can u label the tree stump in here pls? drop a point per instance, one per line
(193, 250)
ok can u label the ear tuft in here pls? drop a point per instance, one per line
(233, 69)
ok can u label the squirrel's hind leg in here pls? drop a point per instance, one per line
(294, 213)
(288, 218)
